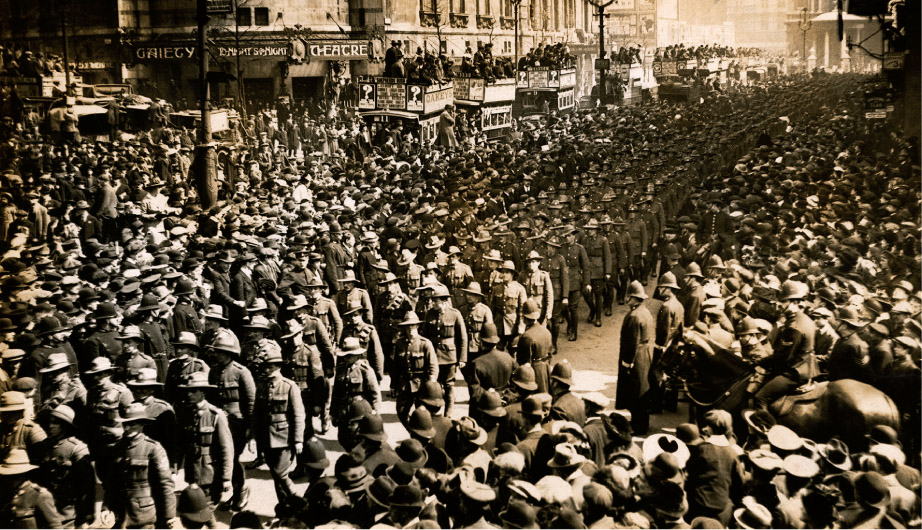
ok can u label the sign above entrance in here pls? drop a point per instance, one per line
(339, 50)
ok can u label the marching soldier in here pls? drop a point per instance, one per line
(538, 286)
(637, 228)
(140, 491)
(579, 276)
(236, 393)
(61, 388)
(106, 400)
(322, 308)
(208, 447)
(356, 327)
(556, 266)
(67, 470)
(162, 424)
(445, 328)
(618, 262)
(24, 503)
(300, 346)
(153, 333)
(351, 295)
(415, 362)
(507, 306)
(631, 253)
(391, 309)
(354, 378)
(134, 356)
(458, 276)
(599, 253)
(184, 364)
(476, 315)
(278, 419)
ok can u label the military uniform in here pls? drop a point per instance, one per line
(391, 309)
(599, 254)
(30, 506)
(353, 378)
(324, 309)
(278, 423)
(578, 267)
(448, 334)
(235, 395)
(355, 296)
(104, 405)
(459, 276)
(179, 370)
(67, 472)
(474, 320)
(637, 229)
(141, 494)
(308, 366)
(415, 362)
(792, 362)
(162, 427)
(539, 287)
(559, 273)
(507, 311)
(618, 265)
(368, 338)
(208, 447)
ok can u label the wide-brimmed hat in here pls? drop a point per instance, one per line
(186, 338)
(784, 439)
(47, 326)
(64, 414)
(519, 514)
(380, 490)
(216, 312)
(508, 265)
(56, 361)
(197, 380)
(349, 277)
(835, 453)
(411, 319)
(99, 365)
(565, 456)
(16, 463)
(800, 466)
(434, 242)
(135, 412)
(752, 515)
(473, 288)
(471, 432)
(351, 346)
(12, 400)
(665, 443)
(146, 377)
(351, 474)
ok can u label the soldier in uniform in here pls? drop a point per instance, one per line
(208, 447)
(356, 327)
(476, 314)
(578, 267)
(556, 266)
(640, 242)
(618, 262)
(278, 419)
(351, 295)
(458, 276)
(106, 400)
(103, 340)
(535, 346)
(599, 253)
(153, 333)
(322, 308)
(162, 424)
(507, 306)
(391, 309)
(354, 377)
(636, 358)
(185, 363)
(415, 362)
(61, 388)
(134, 356)
(67, 470)
(445, 328)
(301, 346)
(17, 430)
(140, 488)
(538, 286)
(236, 394)
(184, 316)
(24, 503)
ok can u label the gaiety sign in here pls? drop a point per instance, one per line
(182, 52)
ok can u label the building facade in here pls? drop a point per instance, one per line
(813, 32)
(303, 49)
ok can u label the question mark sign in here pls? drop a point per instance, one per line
(415, 91)
(367, 89)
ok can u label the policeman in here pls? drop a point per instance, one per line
(24, 503)
(354, 378)
(636, 358)
(305, 367)
(476, 314)
(184, 364)
(578, 267)
(140, 488)
(445, 328)
(67, 470)
(208, 447)
(415, 362)
(236, 393)
(162, 424)
(356, 327)
(278, 418)
(670, 321)
(556, 266)
(538, 286)
(507, 306)
(599, 253)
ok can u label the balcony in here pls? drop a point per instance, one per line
(428, 20)
(459, 20)
(484, 22)
(507, 23)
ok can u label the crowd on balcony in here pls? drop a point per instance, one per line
(551, 55)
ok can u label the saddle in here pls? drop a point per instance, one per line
(786, 404)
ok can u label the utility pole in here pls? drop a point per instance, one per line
(603, 72)
(515, 7)
(64, 7)
(804, 26)
(206, 178)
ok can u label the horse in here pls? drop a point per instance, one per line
(714, 377)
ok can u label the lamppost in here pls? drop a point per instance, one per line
(805, 25)
(515, 12)
(206, 173)
(64, 9)
(602, 71)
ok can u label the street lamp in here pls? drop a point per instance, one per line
(515, 12)
(602, 71)
(805, 25)
(206, 172)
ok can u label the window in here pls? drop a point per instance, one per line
(507, 46)
(507, 9)
(244, 16)
(457, 6)
(484, 7)
(261, 16)
(429, 6)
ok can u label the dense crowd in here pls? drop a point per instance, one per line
(144, 337)
(705, 51)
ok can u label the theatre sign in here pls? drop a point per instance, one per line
(331, 50)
